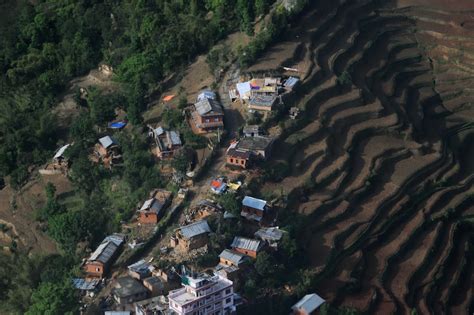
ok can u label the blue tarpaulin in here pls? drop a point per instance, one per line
(118, 125)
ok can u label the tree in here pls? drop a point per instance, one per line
(53, 299)
(229, 203)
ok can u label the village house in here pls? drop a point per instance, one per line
(203, 295)
(263, 102)
(238, 158)
(192, 236)
(167, 143)
(127, 290)
(140, 270)
(102, 258)
(253, 208)
(309, 304)
(247, 246)
(291, 83)
(252, 131)
(107, 150)
(154, 285)
(259, 146)
(59, 160)
(206, 115)
(158, 305)
(87, 286)
(153, 209)
(271, 235)
(232, 258)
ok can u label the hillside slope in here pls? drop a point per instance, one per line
(382, 161)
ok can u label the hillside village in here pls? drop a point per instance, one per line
(145, 269)
(236, 157)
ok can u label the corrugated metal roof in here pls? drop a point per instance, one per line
(246, 243)
(206, 106)
(174, 137)
(82, 284)
(152, 205)
(61, 151)
(234, 257)
(107, 141)
(254, 203)
(141, 267)
(271, 234)
(291, 81)
(263, 100)
(159, 131)
(195, 229)
(107, 248)
(309, 303)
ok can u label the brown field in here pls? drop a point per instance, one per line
(390, 156)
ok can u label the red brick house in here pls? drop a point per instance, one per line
(238, 158)
(253, 208)
(206, 115)
(247, 246)
(102, 258)
(152, 210)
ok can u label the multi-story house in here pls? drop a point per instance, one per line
(203, 295)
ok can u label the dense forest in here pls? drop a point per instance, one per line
(43, 45)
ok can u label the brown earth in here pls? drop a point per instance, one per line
(383, 166)
(18, 208)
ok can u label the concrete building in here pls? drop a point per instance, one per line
(157, 305)
(127, 290)
(203, 295)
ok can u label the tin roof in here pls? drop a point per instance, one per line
(270, 234)
(234, 257)
(254, 143)
(291, 82)
(263, 100)
(174, 137)
(107, 248)
(195, 229)
(243, 88)
(107, 141)
(246, 243)
(309, 303)
(61, 151)
(141, 267)
(159, 131)
(239, 154)
(85, 285)
(152, 205)
(208, 106)
(254, 203)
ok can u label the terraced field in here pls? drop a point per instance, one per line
(383, 163)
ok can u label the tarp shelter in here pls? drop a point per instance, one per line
(168, 98)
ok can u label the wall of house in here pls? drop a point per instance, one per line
(237, 161)
(252, 211)
(148, 218)
(95, 269)
(196, 242)
(211, 119)
(247, 252)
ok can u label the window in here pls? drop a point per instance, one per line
(231, 160)
(242, 162)
(227, 291)
(216, 119)
(228, 300)
(207, 120)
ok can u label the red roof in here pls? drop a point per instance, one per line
(216, 183)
